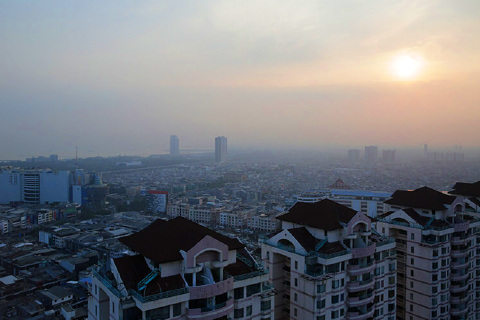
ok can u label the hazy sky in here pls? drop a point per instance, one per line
(119, 77)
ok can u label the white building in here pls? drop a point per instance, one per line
(369, 202)
(438, 255)
(34, 186)
(181, 270)
(220, 149)
(327, 263)
(264, 222)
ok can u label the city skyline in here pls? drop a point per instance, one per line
(111, 77)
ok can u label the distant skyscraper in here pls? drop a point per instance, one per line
(389, 156)
(371, 154)
(174, 146)
(353, 155)
(220, 149)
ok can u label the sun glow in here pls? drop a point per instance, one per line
(406, 66)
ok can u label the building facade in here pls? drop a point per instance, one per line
(174, 145)
(34, 186)
(327, 263)
(181, 270)
(438, 255)
(220, 149)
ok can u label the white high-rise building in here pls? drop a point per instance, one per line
(220, 149)
(327, 263)
(438, 254)
(174, 145)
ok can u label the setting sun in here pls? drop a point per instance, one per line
(406, 66)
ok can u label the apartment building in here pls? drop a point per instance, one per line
(369, 202)
(264, 222)
(438, 255)
(327, 263)
(181, 270)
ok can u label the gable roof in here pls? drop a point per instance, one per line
(162, 240)
(422, 198)
(305, 238)
(466, 189)
(325, 214)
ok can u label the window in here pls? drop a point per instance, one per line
(412, 261)
(296, 265)
(444, 274)
(321, 317)
(96, 290)
(295, 312)
(335, 314)
(238, 313)
(335, 299)
(335, 284)
(296, 282)
(238, 293)
(266, 305)
(113, 306)
(444, 262)
(411, 296)
(320, 304)
(295, 297)
(411, 284)
(435, 265)
(434, 301)
(321, 288)
(412, 236)
(412, 249)
(412, 273)
(96, 310)
(268, 255)
(435, 253)
(411, 308)
(177, 309)
(434, 277)
(248, 311)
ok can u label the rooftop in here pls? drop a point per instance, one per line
(325, 214)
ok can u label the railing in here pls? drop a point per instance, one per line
(249, 275)
(332, 255)
(315, 274)
(215, 307)
(108, 284)
(387, 241)
(162, 295)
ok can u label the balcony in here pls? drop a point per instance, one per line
(210, 290)
(249, 275)
(361, 268)
(107, 284)
(360, 315)
(354, 286)
(154, 297)
(459, 264)
(458, 310)
(211, 312)
(459, 300)
(360, 300)
(459, 253)
(459, 276)
(459, 287)
(364, 251)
